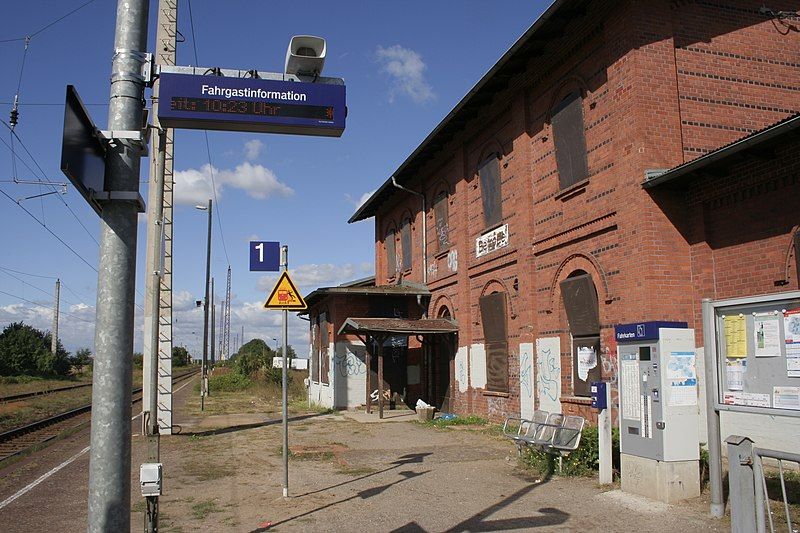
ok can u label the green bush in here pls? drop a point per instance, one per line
(229, 382)
(24, 350)
(582, 462)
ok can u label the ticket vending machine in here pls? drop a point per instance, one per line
(658, 412)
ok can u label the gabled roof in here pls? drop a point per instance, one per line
(719, 160)
(512, 63)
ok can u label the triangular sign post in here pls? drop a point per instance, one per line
(285, 295)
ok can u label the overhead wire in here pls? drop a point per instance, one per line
(31, 285)
(64, 285)
(43, 174)
(48, 25)
(208, 149)
(46, 307)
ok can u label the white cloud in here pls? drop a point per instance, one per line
(253, 149)
(406, 69)
(312, 276)
(358, 203)
(193, 186)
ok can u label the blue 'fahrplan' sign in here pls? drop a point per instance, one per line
(192, 101)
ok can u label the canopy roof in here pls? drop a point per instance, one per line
(398, 326)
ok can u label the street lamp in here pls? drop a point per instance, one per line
(204, 366)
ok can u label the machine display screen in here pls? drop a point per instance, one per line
(644, 353)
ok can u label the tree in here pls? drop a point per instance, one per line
(253, 355)
(138, 359)
(83, 357)
(180, 356)
(24, 350)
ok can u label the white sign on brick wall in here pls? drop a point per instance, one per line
(491, 241)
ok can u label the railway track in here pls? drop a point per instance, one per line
(38, 434)
(26, 395)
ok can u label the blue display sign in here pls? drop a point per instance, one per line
(265, 256)
(643, 331)
(193, 101)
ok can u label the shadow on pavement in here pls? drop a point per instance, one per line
(364, 494)
(401, 461)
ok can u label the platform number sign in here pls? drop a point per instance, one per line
(265, 256)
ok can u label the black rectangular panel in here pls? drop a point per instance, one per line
(489, 174)
(570, 141)
(580, 302)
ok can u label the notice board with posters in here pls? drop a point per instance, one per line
(757, 354)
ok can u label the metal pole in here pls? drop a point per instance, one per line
(204, 387)
(712, 415)
(54, 333)
(285, 395)
(109, 498)
(213, 322)
(604, 432)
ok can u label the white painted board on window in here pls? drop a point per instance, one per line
(548, 373)
(461, 368)
(526, 380)
(477, 366)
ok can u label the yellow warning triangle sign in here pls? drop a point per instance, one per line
(285, 295)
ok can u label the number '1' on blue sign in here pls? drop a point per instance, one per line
(265, 256)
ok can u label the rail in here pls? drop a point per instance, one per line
(43, 392)
(16, 433)
(749, 493)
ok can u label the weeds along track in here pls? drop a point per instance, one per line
(36, 435)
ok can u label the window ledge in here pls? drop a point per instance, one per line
(580, 400)
(572, 190)
(443, 253)
(495, 393)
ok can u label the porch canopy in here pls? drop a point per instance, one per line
(382, 328)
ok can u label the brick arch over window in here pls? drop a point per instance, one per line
(570, 84)
(441, 303)
(567, 125)
(587, 263)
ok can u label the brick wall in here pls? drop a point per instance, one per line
(662, 82)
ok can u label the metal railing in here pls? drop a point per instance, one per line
(749, 495)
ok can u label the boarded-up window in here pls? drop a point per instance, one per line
(315, 349)
(324, 341)
(489, 173)
(442, 223)
(580, 302)
(570, 141)
(391, 254)
(405, 243)
(495, 335)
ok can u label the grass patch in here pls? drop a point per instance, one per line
(202, 509)
(229, 382)
(207, 471)
(471, 420)
(582, 462)
(356, 471)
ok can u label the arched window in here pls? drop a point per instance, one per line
(405, 243)
(583, 315)
(489, 174)
(391, 254)
(569, 140)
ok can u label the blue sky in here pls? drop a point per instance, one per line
(406, 64)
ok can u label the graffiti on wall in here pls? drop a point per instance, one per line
(452, 260)
(608, 359)
(548, 373)
(349, 364)
(525, 374)
(526, 380)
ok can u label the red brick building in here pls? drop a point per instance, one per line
(524, 210)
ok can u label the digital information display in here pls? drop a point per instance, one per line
(250, 104)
